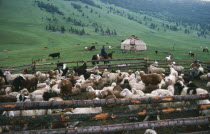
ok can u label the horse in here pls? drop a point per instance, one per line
(100, 57)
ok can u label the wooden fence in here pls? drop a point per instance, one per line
(115, 64)
(191, 121)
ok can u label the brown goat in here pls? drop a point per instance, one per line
(31, 83)
(52, 74)
(152, 79)
(117, 89)
(66, 88)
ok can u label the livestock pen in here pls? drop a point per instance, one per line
(115, 119)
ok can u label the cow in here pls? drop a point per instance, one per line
(53, 55)
(91, 48)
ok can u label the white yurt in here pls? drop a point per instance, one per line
(133, 44)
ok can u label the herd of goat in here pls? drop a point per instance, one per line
(60, 84)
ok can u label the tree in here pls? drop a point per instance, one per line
(63, 29)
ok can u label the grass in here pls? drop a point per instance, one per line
(23, 34)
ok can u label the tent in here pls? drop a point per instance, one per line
(133, 43)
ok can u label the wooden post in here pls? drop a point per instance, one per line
(146, 64)
(33, 66)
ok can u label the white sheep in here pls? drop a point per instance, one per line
(204, 77)
(173, 72)
(97, 92)
(112, 77)
(105, 73)
(110, 87)
(153, 69)
(137, 92)
(168, 58)
(177, 68)
(150, 131)
(208, 84)
(126, 93)
(110, 47)
(10, 77)
(170, 80)
(92, 69)
(41, 76)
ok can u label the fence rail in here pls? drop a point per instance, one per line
(202, 120)
(102, 102)
(137, 64)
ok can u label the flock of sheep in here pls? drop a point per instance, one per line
(59, 85)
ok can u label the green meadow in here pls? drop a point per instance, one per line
(23, 34)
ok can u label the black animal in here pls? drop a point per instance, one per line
(81, 70)
(19, 83)
(65, 71)
(206, 50)
(59, 64)
(53, 55)
(48, 95)
(2, 75)
(91, 48)
(156, 52)
(125, 85)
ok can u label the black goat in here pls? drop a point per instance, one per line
(81, 70)
(19, 83)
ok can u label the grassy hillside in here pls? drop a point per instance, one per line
(23, 32)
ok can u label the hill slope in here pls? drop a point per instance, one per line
(67, 26)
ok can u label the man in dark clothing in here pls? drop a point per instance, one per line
(103, 52)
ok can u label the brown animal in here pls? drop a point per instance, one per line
(116, 90)
(66, 88)
(52, 74)
(191, 54)
(152, 79)
(31, 83)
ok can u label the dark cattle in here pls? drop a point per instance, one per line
(91, 48)
(156, 52)
(53, 55)
(19, 83)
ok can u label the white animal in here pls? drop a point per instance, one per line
(168, 58)
(110, 47)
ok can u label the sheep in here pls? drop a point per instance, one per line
(139, 86)
(41, 76)
(56, 99)
(170, 80)
(90, 89)
(126, 93)
(168, 58)
(137, 76)
(208, 84)
(53, 74)
(110, 47)
(173, 72)
(92, 69)
(179, 69)
(137, 92)
(150, 131)
(105, 73)
(152, 69)
(100, 82)
(152, 79)
(34, 97)
(110, 87)
(41, 91)
(10, 77)
(181, 89)
(204, 77)
(86, 84)
(112, 77)
(76, 89)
